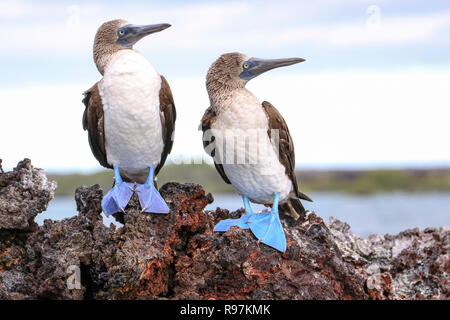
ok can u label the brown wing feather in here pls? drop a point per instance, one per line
(286, 153)
(93, 123)
(207, 120)
(168, 116)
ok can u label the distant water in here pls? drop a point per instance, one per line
(366, 214)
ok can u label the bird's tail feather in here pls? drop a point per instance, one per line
(293, 208)
(303, 196)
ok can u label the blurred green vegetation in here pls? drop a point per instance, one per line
(371, 181)
(203, 174)
(348, 181)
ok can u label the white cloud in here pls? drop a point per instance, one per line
(48, 28)
(364, 117)
(13, 9)
(396, 31)
(341, 117)
(44, 124)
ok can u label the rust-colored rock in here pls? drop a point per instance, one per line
(178, 256)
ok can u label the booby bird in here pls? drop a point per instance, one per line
(129, 115)
(267, 173)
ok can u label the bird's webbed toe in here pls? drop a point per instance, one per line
(226, 224)
(117, 198)
(268, 229)
(150, 199)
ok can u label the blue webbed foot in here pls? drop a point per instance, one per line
(268, 229)
(149, 198)
(117, 198)
(226, 224)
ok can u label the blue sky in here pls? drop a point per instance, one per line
(373, 91)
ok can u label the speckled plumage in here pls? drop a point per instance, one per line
(130, 114)
(234, 108)
(262, 175)
(105, 45)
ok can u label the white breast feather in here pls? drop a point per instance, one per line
(263, 175)
(130, 95)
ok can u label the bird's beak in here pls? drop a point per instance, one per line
(255, 66)
(130, 34)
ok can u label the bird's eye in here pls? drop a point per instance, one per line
(121, 32)
(245, 66)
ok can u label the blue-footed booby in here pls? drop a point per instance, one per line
(130, 116)
(237, 125)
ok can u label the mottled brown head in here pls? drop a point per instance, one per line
(234, 70)
(105, 42)
(116, 35)
(225, 71)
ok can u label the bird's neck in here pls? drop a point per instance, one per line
(221, 95)
(103, 54)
